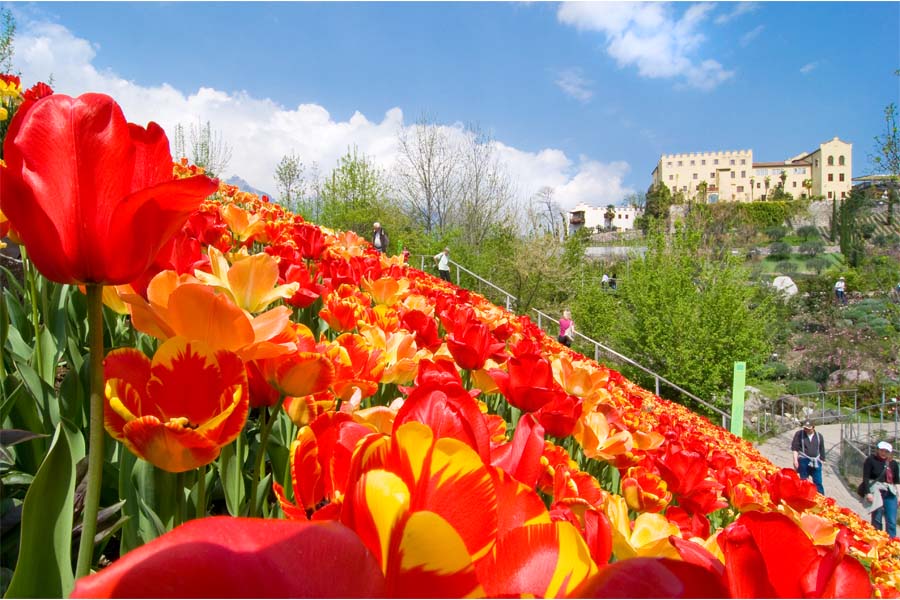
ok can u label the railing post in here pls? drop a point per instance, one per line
(656, 377)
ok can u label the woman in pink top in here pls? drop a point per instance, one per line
(566, 329)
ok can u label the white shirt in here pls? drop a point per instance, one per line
(839, 286)
(443, 261)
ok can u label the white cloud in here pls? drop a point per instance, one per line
(808, 67)
(574, 84)
(261, 131)
(751, 35)
(649, 37)
(739, 8)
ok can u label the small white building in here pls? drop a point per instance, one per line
(595, 217)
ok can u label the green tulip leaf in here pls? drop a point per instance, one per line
(44, 568)
(230, 465)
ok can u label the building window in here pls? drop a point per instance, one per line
(830, 161)
(695, 176)
(841, 160)
(840, 177)
(669, 164)
(671, 177)
(829, 194)
(732, 161)
(692, 163)
(794, 184)
(817, 162)
(679, 163)
(733, 174)
(743, 161)
(684, 188)
(758, 185)
(743, 174)
(831, 177)
(843, 195)
(716, 161)
(712, 175)
(740, 188)
(702, 162)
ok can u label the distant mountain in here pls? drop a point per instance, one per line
(246, 187)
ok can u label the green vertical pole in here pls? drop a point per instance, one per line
(737, 399)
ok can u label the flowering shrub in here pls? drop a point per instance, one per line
(352, 413)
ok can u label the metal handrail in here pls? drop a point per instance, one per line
(765, 422)
(656, 376)
(855, 447)
(510, 299)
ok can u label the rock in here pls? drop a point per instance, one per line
(848, 377)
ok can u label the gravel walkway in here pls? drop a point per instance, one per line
(778, 450)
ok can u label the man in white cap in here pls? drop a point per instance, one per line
(839, 290)
(881, 475)
(808, 447)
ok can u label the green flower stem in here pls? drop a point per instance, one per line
(201, 492)
(95, 448)
(179, 498)
(31, 275)
(266, 422)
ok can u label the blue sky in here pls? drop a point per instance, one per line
(582, 97)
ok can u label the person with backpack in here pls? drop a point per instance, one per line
(808, 447)
(881, 475)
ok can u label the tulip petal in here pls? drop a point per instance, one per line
(431, 560)
(543, 561)
(223, 557)
(653, 578)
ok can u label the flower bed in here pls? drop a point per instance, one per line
(371, 429)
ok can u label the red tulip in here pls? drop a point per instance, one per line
(786, 486)
(472, 344)
(767, 555)
(223, 557)
(528, 385)
(92, 197)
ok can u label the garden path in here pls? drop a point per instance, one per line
(778, 450)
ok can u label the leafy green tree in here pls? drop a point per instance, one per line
(809, 232)
(355, 196)
(656, 209)
(886, 156)
(684, 315)
(780, 250)
(702, 189)
(289, 179)
(812, 247)
(776, 233)
(609, 215)
(7, 39)
(851, 238)
(204, 146)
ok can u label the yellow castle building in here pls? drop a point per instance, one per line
(732, 176)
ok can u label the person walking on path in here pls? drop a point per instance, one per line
(566, 329)
(881, 475)
(808, 447)
(442, 260)
(840, 291)
(380, 238)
